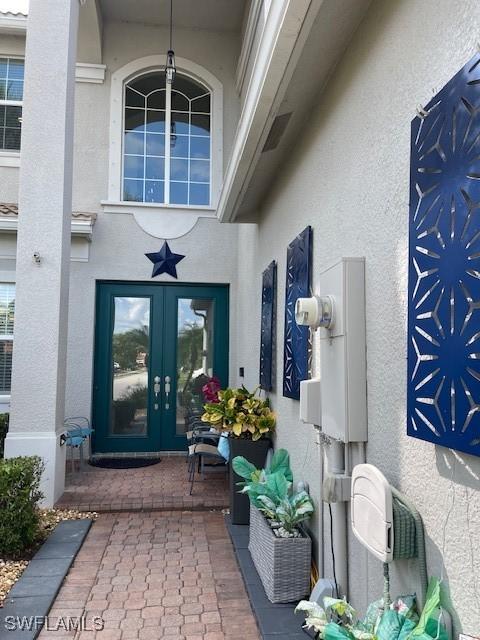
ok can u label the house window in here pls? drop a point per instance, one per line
(167, 141)
(11, 97)
(7, 313)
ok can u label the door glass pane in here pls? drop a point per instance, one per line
(195, 331)
(130, 352)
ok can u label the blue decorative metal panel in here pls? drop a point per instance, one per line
(444, 267)
(267, 337)
(297, 347)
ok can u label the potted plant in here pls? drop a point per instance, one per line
(338, 620)
(249, 422)
(279, 546)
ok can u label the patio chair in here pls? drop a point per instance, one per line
(78, 430)
(205, 455)
(202, 432)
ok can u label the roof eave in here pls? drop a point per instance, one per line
(13, 23)
(284, 34)
(82, 223)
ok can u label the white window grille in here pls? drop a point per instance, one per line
(7, 316)
(11, 101)
(167, 141)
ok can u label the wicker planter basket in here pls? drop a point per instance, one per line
(283, 564)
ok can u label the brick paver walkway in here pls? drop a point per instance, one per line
(154, 575)
(161, 486)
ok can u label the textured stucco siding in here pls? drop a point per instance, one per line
(349, 178)
(119, 244)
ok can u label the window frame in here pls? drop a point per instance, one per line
(168, 135)
(147, 213)
(11, 157)
(7, 278)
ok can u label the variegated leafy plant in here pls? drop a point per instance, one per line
(241, 413)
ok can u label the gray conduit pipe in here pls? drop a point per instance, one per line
(335, 455)
(339, 460)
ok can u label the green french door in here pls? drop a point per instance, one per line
(156, 345)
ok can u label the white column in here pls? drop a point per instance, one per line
(45, 205)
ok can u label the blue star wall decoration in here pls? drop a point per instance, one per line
(164, 261)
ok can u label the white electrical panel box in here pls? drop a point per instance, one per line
(311, 402)
(343, 353)
(372, 511)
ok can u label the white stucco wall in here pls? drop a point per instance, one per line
(118, 254)
(349, 178)
(119, 244)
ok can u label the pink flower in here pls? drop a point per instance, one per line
(211, 389)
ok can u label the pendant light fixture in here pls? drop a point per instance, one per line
(170, 69)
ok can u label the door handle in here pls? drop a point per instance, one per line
(156, 390)
(167, 391)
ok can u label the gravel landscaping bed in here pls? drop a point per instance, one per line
(12, 568)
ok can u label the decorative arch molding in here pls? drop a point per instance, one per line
(162, 221)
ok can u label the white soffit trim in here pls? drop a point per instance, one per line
(247, 42)
(287, 26)
(88, 72)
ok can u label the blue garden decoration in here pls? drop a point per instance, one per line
(444, 267)
(267, 334)
(297, 347)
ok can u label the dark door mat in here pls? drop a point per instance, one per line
(32, 596)
(123, 463)
(275, 621)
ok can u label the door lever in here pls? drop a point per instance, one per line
(156, 390)
(167, 391)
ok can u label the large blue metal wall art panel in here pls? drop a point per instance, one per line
(297, 344)
(444, 267)
(267, 334)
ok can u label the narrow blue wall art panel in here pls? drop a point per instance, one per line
(267, 335)
(444, 267)
(297, 347)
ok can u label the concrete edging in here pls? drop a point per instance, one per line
(33, 594)
(275, 621)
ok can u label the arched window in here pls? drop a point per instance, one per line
(167, 141)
